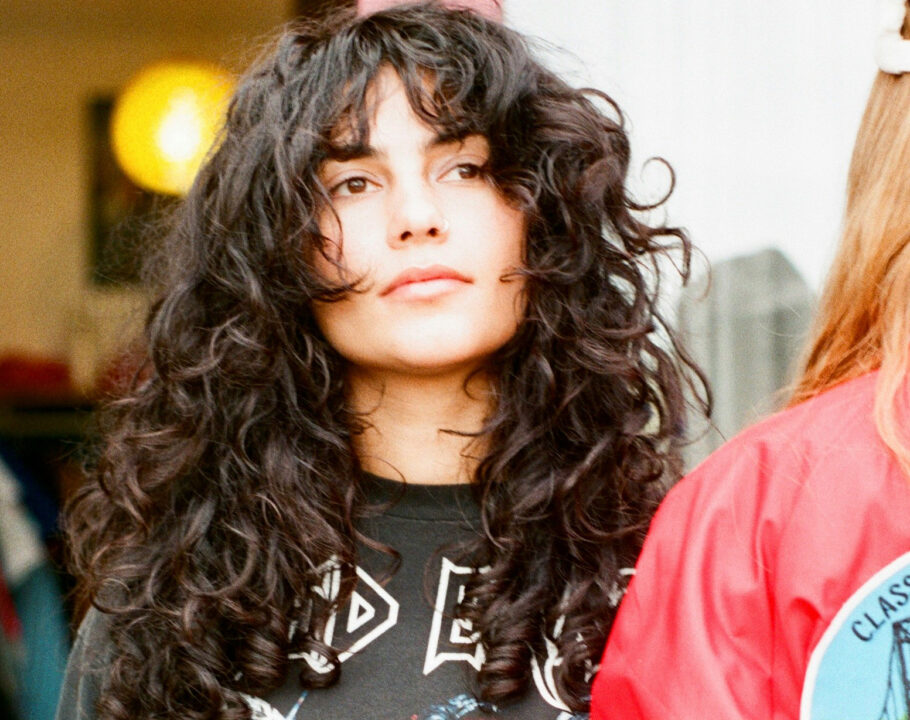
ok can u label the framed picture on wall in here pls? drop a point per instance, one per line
(123, 218)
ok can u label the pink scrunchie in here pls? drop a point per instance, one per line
(491, 9)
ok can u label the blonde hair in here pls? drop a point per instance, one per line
(863, 321)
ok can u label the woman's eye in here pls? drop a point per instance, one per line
(351, 186)
(464, 171)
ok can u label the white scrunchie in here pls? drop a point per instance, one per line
(892, 52)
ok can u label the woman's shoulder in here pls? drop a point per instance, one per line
(828, 442)
(836, 426)
(753, 556)
(847, 407)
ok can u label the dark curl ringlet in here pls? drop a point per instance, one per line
(227, 476)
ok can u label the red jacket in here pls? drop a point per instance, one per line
(775, 580)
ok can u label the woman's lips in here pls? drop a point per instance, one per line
(425, 282)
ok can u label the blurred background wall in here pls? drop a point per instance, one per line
(755, 104)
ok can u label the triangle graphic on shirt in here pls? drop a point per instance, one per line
(359, 613)
(366, 619)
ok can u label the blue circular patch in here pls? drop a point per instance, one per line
(860, 669)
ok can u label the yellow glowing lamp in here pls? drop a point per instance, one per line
(165, 122)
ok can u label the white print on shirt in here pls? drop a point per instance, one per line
(619, 587)
(371, 612)
(460, 633)
(463, 643)
(263, 711)
(543, 677)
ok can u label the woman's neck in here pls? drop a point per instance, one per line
(407, 416)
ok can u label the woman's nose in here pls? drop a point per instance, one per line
(417, 215)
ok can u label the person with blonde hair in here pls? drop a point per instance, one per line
(775, 580)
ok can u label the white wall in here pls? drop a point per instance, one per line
(755, 104)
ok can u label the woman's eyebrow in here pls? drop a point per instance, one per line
(342, 152)
(452, 137)
(350, 151)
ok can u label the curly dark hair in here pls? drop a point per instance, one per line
(227, 475)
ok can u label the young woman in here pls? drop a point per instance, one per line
(404, 416)
(775, 582)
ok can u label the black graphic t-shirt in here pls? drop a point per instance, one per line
(403, 655)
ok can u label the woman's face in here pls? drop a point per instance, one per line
(417, 219)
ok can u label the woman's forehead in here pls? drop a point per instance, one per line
(362, 105)
(424, 100)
